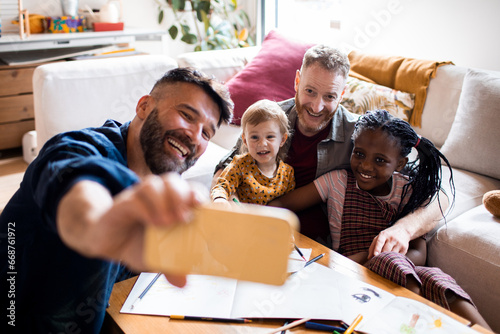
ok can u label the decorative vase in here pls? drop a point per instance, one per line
(69, 7)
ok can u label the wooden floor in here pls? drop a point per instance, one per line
(12, 167)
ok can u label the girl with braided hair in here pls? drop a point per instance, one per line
(381, 187)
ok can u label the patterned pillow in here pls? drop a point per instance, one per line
(361, 96)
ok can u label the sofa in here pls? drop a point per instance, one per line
(466, 244)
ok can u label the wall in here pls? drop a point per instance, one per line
(462, 31)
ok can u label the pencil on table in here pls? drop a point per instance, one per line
(354, 324)
(300, 253)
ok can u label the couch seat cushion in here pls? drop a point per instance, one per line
(470, 188)
(467, 248)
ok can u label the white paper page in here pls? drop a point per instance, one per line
(403, 315)
(206, 296)
(310, 293)
(360, 298)
(196, 298)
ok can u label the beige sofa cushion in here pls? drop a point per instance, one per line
(473, 241)
(470, 188)
(472, 143)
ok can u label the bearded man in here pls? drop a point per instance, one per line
(76, 225)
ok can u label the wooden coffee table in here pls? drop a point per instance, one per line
(116, 322)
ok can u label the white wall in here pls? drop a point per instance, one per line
(463, 31)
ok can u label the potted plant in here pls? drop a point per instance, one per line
(208, 24)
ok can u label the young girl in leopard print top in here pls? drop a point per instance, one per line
(259, 174)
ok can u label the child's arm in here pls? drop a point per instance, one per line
(417, 251)
(299, 199)
(224, 187)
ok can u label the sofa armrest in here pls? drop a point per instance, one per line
(223, 64)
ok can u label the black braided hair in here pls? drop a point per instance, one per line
(424, 172)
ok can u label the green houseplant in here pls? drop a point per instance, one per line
(208, 24)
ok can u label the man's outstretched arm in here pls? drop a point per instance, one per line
(97, 225)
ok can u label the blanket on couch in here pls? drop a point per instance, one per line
(405, 74)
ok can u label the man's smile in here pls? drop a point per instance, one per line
(183, 151)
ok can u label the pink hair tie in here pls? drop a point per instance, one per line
(418, 141)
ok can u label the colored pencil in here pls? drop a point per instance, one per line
(314, 260)
(145, 290)
(185, 317)
(354, 324)
(298, 251)
(293, 324)
(324, 327)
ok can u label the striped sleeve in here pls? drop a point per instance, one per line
(332, 187)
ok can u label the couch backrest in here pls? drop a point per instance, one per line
(77, 94)
(222, 64)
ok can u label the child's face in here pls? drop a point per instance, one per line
(374, 159)
(263, 141)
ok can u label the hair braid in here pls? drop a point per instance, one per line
(424, 172)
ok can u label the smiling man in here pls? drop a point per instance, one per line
(84, 202)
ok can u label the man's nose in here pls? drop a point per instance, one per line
(318, 105)
(196, 134)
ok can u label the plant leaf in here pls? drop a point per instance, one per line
(189, 38)
(160, 17)
(205, 20)
(203, 6)
(185, 29)
(176, 5)
(173, 31)
(182, 4)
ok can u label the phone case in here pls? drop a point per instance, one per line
(246, 242)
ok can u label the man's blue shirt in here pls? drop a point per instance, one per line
(48, 287)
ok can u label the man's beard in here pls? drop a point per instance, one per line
(152, 138)
(301, 110)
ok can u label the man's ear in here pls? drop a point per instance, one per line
(297, 80)
(142, 109)
(401, 164)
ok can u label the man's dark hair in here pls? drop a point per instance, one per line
(217, 91)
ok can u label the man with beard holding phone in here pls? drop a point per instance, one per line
(80, 214)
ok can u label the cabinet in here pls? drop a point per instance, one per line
(16, 104)
(16, 89)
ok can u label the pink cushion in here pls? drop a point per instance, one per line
(270, 75)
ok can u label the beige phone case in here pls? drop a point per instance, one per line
(247, 242)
